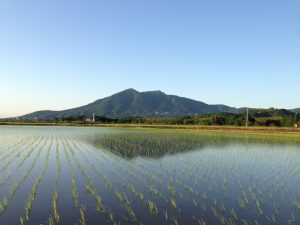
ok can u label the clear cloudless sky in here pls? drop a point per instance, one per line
(58, 54)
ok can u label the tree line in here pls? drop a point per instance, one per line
(268, 117)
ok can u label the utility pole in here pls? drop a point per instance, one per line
(295, 124)
(93, 117)
(247, 117)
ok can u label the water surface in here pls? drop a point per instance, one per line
(72, 175)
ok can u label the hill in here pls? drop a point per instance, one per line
(131, 103)
(296, 110)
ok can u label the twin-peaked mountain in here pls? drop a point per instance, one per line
(131, 103)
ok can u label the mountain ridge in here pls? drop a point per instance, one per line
(132, 103)
(297, 110)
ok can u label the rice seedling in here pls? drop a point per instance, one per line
(55, 219)
(166, 215)
(195, 202)
(173, 203)
(74, 191)
(152, 208)
(258, 206)
(22, 221)
(201, 222)
(54, 208)
(82, 217)
(131, 213)
(111, 216)
(3, 205)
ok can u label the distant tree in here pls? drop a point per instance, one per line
(218, 120)
(273, 123)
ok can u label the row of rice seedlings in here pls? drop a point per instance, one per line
(12, 157)
(92, 191)
(116, 173)
(82, 216)
(193, 194)
(120, 197)
(16, 185)
(75, 194)
(222, 218)
(6, 140)
(20, 146)
(147, 176)
(54, 218)
(173, 202)
(91, 188)
(16, 144)
(3, 205)
(215, 172)
(152, 207)
(258, 206)
(108, 183)
(81, 168)
(219, 210)
(123, 199)
(190, 190)
(125, 202)
(243, 201)
(95, 169)
(32, 196)
(7, 176)
(74, 190)
(133, 173)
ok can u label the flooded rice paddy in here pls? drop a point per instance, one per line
(71, 175)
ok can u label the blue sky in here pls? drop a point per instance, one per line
(60, 54)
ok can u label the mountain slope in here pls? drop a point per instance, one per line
(296, 110)
(131, 103)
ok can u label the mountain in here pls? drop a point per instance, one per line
(131, 103)
(296, 110)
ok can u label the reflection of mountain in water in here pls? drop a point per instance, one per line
(147, 145)
(158, 144)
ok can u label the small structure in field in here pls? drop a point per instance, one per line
(90, 119)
